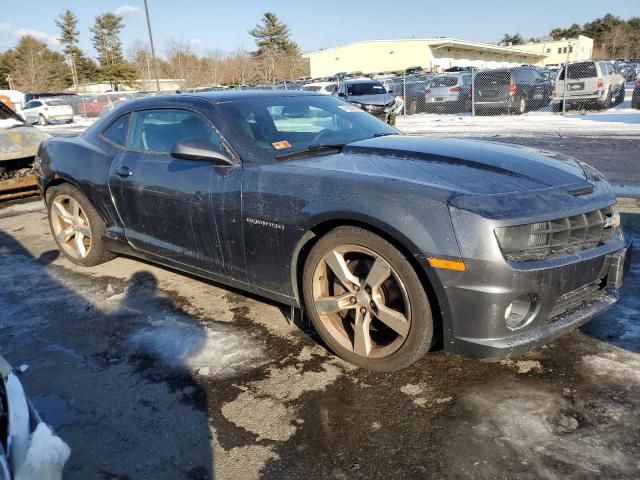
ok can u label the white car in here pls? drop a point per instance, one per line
(47, 110)
(326, 88)
(589, 83)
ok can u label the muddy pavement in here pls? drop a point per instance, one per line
(148, 373)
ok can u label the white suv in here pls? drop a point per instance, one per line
(46, 110)
(588, 83)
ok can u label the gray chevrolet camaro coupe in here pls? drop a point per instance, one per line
(392, 244)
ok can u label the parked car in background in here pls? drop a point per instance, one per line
(588, 84)
(630, 71)
(370, 96)
(635, 98)
(410, 90)
(69, 98)
(516, 90)
(47, 110)
(448, 93)
(92, 106)
(326, 88)
(393, 244)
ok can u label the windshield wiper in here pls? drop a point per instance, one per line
(311, 149)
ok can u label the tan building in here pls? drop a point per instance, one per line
(435, 54)
(559, 51)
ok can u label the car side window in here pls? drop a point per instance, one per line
(28, 105)
(158, 131)
(117, 131)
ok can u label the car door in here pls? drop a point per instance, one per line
(30, 111)
(186, 211)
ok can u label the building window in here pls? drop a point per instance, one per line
(548, 50)
(564, 50)
(559, 49)
(570, 49)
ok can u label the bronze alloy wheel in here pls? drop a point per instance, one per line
(361, 301)
(70, 226)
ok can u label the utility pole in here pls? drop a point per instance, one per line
(10, 81)
(153, 52)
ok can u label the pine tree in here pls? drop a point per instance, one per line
(106, 40)
(272, 36)
(69, 35)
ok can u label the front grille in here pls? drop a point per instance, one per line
(577, 298)
(567, 235)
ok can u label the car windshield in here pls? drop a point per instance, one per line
(365, 88)
(281, 125)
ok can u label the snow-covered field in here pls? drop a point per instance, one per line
(618, 122)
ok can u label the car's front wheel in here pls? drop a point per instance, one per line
(76, 226)
(366, 300)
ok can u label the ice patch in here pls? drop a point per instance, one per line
(19, 208)
(523, 366)
(215, 350)
(46, 456)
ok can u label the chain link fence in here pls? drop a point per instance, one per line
(589, 85)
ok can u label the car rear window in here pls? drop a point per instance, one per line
(444, 82)
(580, 70)
(486, 78)
(311, 88)
(55, 102)
(117, 131)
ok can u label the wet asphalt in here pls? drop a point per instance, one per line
(148, 373)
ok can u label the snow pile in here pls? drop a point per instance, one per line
(9, 122)
(46, 456)
(206, 349)
(614, 122)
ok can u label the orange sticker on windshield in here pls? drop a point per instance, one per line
(281, 145)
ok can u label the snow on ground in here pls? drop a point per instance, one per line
(619, 122)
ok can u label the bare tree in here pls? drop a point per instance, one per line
(214, 63)
(242, 67)
(183, 63)
(37, 68)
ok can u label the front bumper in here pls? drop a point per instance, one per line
(479, 329)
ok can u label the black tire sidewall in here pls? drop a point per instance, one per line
(97, 254)
(420, 335)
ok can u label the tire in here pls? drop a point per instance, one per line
(85, 227)
(556, 106)
(620, 97)
(392, 119)
(68, 121)
(42, 120)
(606, 104)
(522, 106)
(401, 300)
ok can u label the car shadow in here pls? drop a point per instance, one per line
(105, 361)
(620, 326)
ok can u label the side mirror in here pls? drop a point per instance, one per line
(341, 94)
(201, 150)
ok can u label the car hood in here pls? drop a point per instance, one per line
(458, 167)
(19, 142)
(380, 100)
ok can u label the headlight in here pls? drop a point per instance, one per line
(562, 235)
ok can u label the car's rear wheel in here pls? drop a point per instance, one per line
(42, 120)
(76, 226)
(522, 106)
(366, 301)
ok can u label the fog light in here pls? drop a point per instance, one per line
(520, 312)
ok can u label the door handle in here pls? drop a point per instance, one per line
(124, 171)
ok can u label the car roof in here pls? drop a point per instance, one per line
(214, 97)
(360, 80)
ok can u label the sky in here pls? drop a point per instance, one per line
(224, 25)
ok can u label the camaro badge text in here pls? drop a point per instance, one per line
(264, 223)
